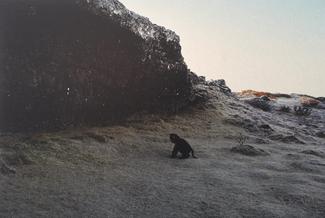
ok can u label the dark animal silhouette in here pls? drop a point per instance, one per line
(181, 146)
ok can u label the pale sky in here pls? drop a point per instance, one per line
(268, 45)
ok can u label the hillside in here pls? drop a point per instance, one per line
(124, 170)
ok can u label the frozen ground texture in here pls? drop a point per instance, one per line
(125, 170)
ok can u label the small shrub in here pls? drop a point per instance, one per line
(285, 109)
(302, 111)
(242, 139)
(265, 98)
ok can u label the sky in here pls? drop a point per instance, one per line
(267, 45)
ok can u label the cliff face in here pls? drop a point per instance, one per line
(66, 62)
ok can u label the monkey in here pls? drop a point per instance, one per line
(181, 146)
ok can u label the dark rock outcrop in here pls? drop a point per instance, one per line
(66, 62)
(321, 134)
(260, 103)
(249, 150)
(322, 99)
(221, 85)
(290, 139)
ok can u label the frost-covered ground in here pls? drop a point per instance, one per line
(125, 170)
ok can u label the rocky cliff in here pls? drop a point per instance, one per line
(67, 62)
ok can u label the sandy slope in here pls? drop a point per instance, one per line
(125, 171)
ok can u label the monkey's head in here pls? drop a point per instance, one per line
(173, 138)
